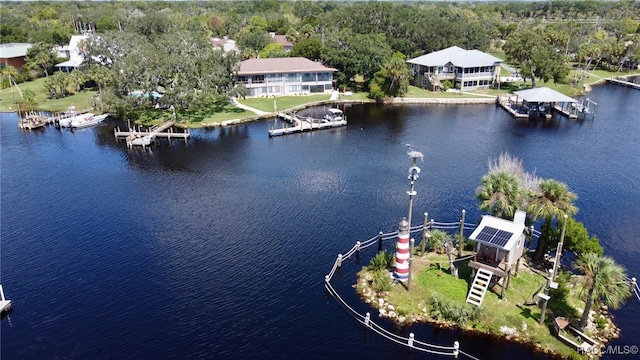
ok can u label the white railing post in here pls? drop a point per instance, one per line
(456, 349)
(410, 342)
(367, 320)
(339, 260)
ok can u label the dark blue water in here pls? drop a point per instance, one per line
(218, 248)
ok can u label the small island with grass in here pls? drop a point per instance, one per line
(565, 315)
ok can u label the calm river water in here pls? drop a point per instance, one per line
(218, 248)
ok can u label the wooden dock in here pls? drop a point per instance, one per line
(511, 107)
(146, 138)
(299, 124)
(624, 82)
(5, 305)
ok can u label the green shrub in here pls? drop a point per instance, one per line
(382, 260)
(381, 281)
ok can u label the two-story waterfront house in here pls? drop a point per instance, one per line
(285, 76)
(464, 69)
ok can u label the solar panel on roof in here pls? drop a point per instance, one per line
(487, 233)
(494, 236)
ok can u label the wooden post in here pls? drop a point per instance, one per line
(456, 349)
(380, 241)
(425, 225)
(409, 278)
(461, 238)
(413, 246)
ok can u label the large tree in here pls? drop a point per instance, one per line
(10, 73)
(531, 51)
(602, 280)
(355, 54)
(553, 201)
(392, 80)
(500, 194)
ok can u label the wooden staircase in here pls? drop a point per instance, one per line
(479, 287)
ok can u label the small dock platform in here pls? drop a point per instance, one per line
(300, 124)
(142, 138)
(623, 81)
(5, 305)
(34, 121)
(512, 107)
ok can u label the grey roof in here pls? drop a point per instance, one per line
(457, 57)
(13, 50)
(281, 65)
(514, 231)
(70, 63)
(544, 95)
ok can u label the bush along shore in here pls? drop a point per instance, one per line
(438, 297)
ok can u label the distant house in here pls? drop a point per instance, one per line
(12, 54)
(72, 51)
(225, 44)
(282, 40)
(465, 69)
(285, 76)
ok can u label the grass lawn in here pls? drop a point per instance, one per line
(81, 100)
(282, 102)
(416, 92)
(431, 281)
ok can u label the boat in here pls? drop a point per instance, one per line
(334, 114)
(86, 120)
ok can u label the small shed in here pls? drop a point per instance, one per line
(500, 241)
(541, 101)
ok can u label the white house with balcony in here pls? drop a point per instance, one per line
(464, 69)
(284, 76)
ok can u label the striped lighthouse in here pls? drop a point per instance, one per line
(402, 252)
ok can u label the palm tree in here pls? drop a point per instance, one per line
(10, 72)
(603, 280)
(554, 200)
(500, 194)
(43, 59)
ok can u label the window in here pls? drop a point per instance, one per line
(295, 77)
(274, 77)
(295, 88)
(307, 77)
(324, 76)
(273, 89)
(328, 87)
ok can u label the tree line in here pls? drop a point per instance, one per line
(363, 40)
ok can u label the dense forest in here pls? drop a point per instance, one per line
(143, 45)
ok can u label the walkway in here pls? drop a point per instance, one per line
(248, 108)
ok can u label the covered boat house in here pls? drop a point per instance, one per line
(539, 102)
(500, 247)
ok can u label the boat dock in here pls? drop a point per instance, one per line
(34, 121)
(512, 106)
(300, 124)
(5, 305)
(623, 81)
(145, 138)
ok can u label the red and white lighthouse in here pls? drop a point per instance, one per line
(401, 271)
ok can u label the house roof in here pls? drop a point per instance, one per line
(506, 236)
(457, 57)
(544, 95)
(281, 65)
(282, 39)
(13, 50)
(70, 63)
(225, 44)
